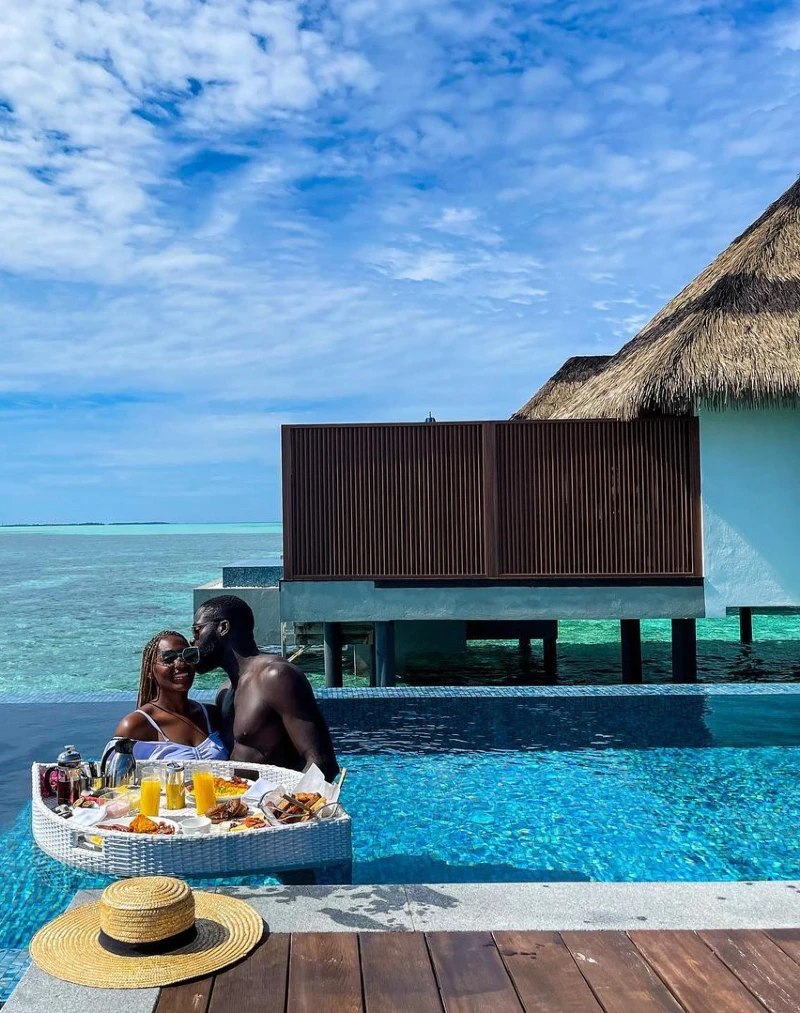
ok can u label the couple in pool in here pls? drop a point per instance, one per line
(265, 712)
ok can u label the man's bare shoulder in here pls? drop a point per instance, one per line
(274, 678)
(273, 666)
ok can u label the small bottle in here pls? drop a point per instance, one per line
(68, 768)
(176, 786)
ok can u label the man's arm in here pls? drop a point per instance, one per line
(289, 693)
(218, 699)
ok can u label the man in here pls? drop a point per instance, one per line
(269, 714)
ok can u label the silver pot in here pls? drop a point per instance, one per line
(118, 765)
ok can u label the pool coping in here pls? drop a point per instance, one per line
(457, 692)
(459, 907)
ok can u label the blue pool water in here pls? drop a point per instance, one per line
(523, 786)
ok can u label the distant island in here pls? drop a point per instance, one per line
(129, 524)
(87, 524)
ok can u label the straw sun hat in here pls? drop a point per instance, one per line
(145, 933)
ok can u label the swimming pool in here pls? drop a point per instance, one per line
(502, 785)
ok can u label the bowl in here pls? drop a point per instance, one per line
(194, 826)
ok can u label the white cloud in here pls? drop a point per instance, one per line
(239, 208)
(427, 265)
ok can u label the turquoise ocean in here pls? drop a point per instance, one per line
(78, 603)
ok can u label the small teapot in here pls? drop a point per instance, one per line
(117, 764)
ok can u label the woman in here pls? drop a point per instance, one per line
(168, 725)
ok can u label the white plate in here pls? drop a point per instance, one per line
(127, 820)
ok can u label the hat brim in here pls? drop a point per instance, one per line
(69, 947)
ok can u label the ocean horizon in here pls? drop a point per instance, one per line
(144, 527)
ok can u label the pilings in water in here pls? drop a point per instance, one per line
(746, 625)
(684, 650)
(332, 642)
(364, 660)
(383, 671)
(384, 654)
(550, 658)
(630, 631)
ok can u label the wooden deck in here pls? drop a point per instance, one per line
(741, 971)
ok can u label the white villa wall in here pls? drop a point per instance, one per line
(750, 481)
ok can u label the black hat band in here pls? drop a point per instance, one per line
(154, 949)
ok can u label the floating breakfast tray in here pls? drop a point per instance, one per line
(322, 842)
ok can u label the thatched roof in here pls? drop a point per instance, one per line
(550, 400)
(732, 336)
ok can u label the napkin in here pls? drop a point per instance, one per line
(88, 817)
(257, 791)
(314, 780)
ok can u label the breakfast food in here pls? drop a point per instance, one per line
(297, 808)
(140, 825)
(88, 802)
(230, 786)
(233, 809)
(117, 808)
(250, 823)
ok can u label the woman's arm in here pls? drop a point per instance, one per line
(136, 726)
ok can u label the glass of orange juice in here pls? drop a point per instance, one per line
(150, 784)
(203, 781)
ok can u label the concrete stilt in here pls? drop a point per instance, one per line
(364, 661)
(684, 650)
(332, 641)
(746, 625)
(384, 654)
(550, 658)
(525, 648)
(630, 631)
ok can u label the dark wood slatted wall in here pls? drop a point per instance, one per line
(493, 499)
(383, 501)
(597, 498)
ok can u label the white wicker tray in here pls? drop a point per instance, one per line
(297, 846)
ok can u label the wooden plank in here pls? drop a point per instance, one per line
(619, 976)
(257, 984)
(471, 974)
(787, 939)
(188, 997)
(397, 973)
(324, 974)
(761, 965)
(700, 980)
(544, 973)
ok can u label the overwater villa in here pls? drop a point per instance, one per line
(725, 350)
(660, 482)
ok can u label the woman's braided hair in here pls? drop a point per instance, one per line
(148, 687)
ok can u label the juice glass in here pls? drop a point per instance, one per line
(204, 795)
(150, 784)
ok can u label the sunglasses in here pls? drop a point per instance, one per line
(191, 655)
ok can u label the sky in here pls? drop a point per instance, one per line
(219, 216)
